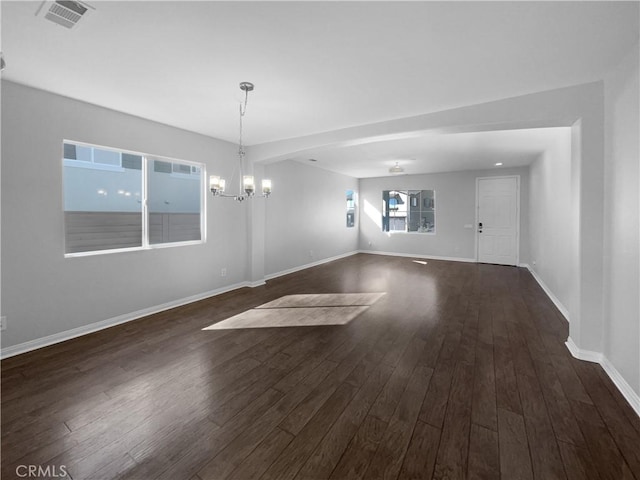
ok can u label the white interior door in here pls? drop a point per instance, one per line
(498, 220)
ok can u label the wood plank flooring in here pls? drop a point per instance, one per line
(459, 371)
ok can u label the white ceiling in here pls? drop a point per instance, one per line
(317, 66)
(437, 152)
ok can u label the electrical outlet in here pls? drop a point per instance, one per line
(223, 272)
(3, 323)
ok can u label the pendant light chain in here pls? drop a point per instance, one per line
(240, 145)
(242, 113)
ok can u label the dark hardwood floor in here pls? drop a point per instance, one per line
(459, 371)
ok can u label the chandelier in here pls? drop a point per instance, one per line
(396, 169)
(247, 185)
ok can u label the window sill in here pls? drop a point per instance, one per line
(134, 249)
(411, 233)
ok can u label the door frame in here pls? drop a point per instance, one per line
(475, 225)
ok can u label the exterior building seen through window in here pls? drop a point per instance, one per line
(116, 200)
(408, 211)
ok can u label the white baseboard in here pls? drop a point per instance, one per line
(552, 297)
(271, 276)
(411, 255)
(580, 354)
(588, 355)
(111, 322)
(627, 392)
(128, 317)
(618, 380)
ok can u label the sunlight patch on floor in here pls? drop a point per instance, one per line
(324, 300)
(302, 311)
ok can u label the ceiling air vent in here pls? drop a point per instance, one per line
(64, 12)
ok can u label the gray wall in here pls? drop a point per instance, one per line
(621, 223)
(44, 293)
(308, 214)
(550, 219)
(455, 207)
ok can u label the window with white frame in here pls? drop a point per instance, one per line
(409, 211)
(116, 200)
(351, 209)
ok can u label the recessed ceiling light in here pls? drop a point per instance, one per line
(498, 164)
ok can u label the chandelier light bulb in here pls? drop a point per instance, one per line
(216, 184)
(249, 184)
(266, 186)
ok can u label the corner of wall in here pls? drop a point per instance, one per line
(563, 310)
(618, 380)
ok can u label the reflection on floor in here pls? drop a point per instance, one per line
(324, 300)
(302, 310)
